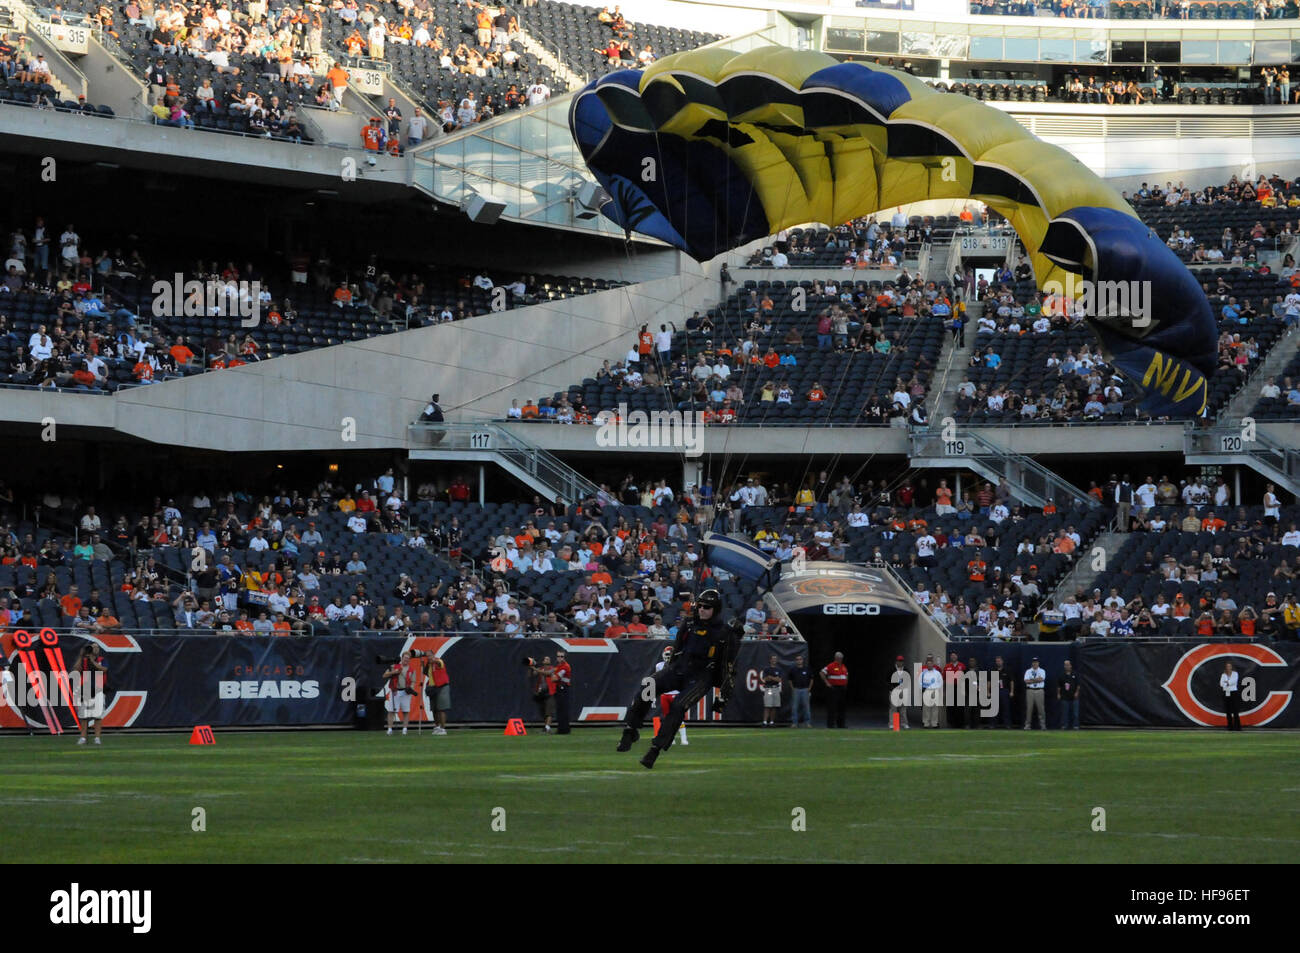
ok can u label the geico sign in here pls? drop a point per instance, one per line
(850, 608)
(282, 688)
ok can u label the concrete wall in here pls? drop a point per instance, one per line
(112, 85)
(301, 401)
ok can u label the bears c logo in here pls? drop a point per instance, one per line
(1179, 685)
(832, 588)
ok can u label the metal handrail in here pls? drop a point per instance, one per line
(899, 580)
(1230, 440)
(1053, 487)
(490, 438)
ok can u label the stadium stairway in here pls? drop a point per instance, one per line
(1031, 483)
(952, 360)
(538, 469)
(573, 80)
(1243, 402)
(1085, 573)
(1274, 457)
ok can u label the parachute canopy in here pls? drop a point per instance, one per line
(710, 149)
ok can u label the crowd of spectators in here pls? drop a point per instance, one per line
(624, 563)
(71, 317)
(1141, 9)
(719, 379)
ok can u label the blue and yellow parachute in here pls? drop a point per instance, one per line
(710, 149)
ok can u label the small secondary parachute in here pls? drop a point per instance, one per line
(710, 149)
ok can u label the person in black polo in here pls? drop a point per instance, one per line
(1067, 693)
(800, 678)
(1006, 692)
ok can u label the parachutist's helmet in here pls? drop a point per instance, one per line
(711, 599)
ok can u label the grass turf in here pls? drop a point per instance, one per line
(867, 796)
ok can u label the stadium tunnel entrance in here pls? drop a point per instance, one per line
(870, 647)
(864, 612)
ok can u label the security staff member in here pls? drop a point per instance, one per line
(704, 658)
(563, 684)
(1067, 693)
(900, 693)
(836, 678)
(1228, 681)
(1035, 685)
(1006, 691)
(931, 693)
(800, 678)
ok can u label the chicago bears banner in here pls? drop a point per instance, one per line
(1177, 685)
(224, 681)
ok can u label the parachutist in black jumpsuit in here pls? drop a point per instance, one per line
(704, 658)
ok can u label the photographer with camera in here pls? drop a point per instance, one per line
(90, 691)
(437, 690)
(544, 687)
(402, 681)
(704, 658)
(563, 685)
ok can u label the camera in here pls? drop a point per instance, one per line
(530, 663)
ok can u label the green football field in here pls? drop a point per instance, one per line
(731, 795)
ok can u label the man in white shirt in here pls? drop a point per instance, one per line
(1035, 684)
(779, 260)
(1228, 681)
(925, 546)
(931, 685)
(357, 523)
(1291, 537)
(258, 543)
(537, 94)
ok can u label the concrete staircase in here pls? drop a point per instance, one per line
(1243, 402)
(551, 61)
(1083, 575)
(951, 367)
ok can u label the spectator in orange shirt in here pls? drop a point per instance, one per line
(107, 622)
(816, 395)
(242, 624)
(342, 295)
(771, 358)
(181, 353)
(338, 77)
(1211, 523)
(1063, 544)
(280, 626)
(636, 629)
(143, 371)
(529, 410)
(71, 603)
(372, 135)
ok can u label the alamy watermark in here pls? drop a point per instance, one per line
(1130, 300)
(682, 430)
(212, 298)
(73, 689)
(965, 690)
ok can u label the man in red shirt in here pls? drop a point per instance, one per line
(437, 690)
(836, 678)
(953, 671)
(563, 685)
(458, 492)
(544, 690)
